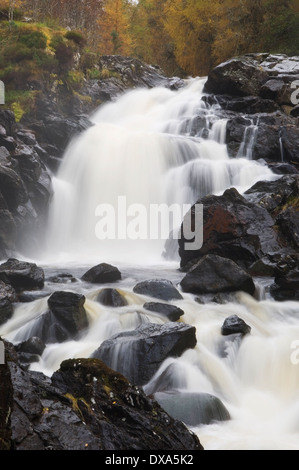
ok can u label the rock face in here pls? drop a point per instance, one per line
(139, 353)
(259, 90)
(265, 75)
(84, 406)
(25, 186)
(233, 228)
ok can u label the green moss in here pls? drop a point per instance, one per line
(20, 102)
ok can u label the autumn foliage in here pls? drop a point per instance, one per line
(186, 37)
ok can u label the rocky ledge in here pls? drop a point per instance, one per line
(83, 406)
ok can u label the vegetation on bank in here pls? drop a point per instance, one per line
(57, 44)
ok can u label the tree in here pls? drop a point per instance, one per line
(114, 28)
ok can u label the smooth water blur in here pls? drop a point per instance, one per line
(168, 147)
(151, 147)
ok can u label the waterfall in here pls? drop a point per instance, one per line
(168, 147)
(150, 147)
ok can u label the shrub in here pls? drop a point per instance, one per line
(17, 53)
(35, 39)
(76, 36)
(63, 51)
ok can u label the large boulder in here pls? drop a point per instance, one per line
(65, 319)
(138, 354)
(233, 228)
(101, 274)
(84, 406)
(213, 274)
(22, 275)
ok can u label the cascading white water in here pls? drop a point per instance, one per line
(160, 146)
(148, 148)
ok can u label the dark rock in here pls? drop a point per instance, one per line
(212, 274)
(62, 278)
(8, 229)
(264, 75)
(68, 309)
(158, 288)
(194, 409)
(233, 325)
(295, 111)
(7, 121)
(22, 275)
(290, 144)
(102, 273)
(66, 318)
(233, 228)
(237, 77)
(288, 223)
(172, 312)
(111, 298)
(280, 198)
(286, 286)
(33, 345)
(283, 168)
(7, 298)
(138, 354)
(85, 406)
(247, 104)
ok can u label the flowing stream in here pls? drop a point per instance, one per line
(154, 147)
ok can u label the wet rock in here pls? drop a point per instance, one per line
(68, 309)
(233, 228)
(111, 298)
(84, 406)
(7, 298)
(22, 275)
(62, 278)
(286, 285)
(194, 409)
(171, 312)
(233, 325)
(102, 273)
(33, 345)
(158, 288)
(66, 318)
(139, 353)
(213, 274)
(264, 75)
(237, 77)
